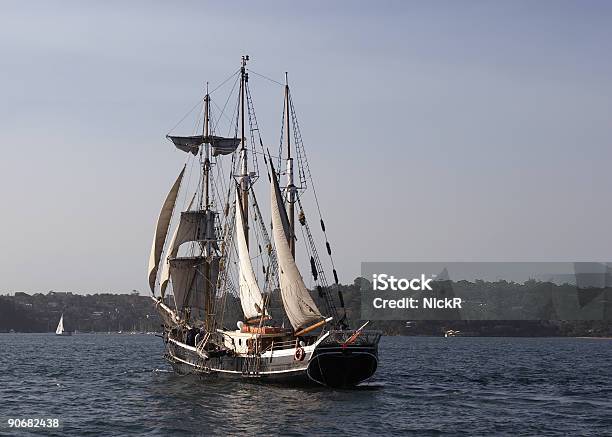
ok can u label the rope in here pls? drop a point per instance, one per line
(200, 101)
(222, 110)
(253, 126)
(265, 77)
(186, 115)
(225, 81)
(299, 143)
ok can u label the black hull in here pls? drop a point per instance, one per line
(338, 367)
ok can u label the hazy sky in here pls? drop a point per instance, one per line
(459, 130)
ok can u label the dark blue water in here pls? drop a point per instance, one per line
(119, 384)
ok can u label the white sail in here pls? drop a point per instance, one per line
(161, 230)
(188, 280)
(180, 235)
(251, 298)
(193, 226)
(60, 326)
(299, 306)
(165, 271)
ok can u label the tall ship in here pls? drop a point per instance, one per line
(226, 279)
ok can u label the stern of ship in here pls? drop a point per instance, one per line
(339, 362)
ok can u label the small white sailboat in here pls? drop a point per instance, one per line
(60, 327)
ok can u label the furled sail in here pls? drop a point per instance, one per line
(189, 283)
(299, 306)
(161, 230)
(251, 298)
(223, 146)
(191, 144)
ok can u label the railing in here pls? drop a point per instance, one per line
(365, 338)
(287, 344)
(276, 345)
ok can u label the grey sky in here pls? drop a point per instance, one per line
(451, 131)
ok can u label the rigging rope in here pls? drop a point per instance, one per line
(265, 77)
(306, 166)
(253, 126)
(200, 102)
(222, 110)
(225, 81)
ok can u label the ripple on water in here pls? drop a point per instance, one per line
(116, 384)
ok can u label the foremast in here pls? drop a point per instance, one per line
(209, 245)
(193, 273)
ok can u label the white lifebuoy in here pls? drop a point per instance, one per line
(299, 354)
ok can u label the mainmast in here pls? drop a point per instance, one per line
(208, 249)
(290, 186)
(244, 176)
(206, 149)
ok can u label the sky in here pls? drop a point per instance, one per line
(436, 131)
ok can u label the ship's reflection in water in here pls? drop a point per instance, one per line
(253, 407)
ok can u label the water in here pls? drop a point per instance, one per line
(119, 384)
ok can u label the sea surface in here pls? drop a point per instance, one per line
(120, 385)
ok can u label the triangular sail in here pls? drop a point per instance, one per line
(60, 326)
(299, 305)
(161, 230)
(251, 298)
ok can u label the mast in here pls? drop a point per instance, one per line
(299, 306)
(290, 186)
(244, 179)
(194, 277)
(207, 149)
(208, 296)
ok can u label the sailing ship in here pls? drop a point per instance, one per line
(220, 240)
(60, 328)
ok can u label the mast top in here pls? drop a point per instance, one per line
(244, 78)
